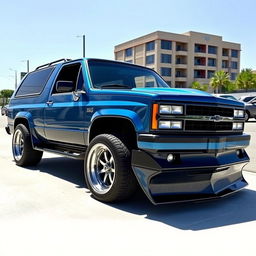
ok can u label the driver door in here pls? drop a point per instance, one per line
(64, 115)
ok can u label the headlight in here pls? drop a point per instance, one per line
(238, 113)
(170, 125)
(171, 109)
(238, 126)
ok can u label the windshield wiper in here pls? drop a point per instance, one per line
(115, 86)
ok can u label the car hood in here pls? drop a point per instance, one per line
(183, 94)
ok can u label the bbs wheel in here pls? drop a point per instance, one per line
(108, 170)
(23, 152)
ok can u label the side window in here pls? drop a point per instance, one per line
(34, 82)
(69, 73)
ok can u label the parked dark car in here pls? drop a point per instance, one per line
(4, 110)
(227, 96)
(247, 98)
(250, 109)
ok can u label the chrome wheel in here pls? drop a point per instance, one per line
(18, 145)
(100, 168)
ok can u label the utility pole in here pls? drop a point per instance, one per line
(83, 46)
(15, 75)
(83, 36)
(27, 64)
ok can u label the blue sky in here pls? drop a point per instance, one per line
(42, 31)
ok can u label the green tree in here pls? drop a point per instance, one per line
(5, 95)
(246, 79)
(230, 87)
(220, 79)
(197, 85)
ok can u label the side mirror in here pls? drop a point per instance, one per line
(77, 94)
(64, 86)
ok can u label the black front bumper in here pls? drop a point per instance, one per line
(190, 176)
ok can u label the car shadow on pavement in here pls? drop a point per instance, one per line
(234, 209)
(63, 168)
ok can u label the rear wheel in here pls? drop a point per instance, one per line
(23, 152)
(108, 170)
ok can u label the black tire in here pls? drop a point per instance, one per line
(247, 116)
(121, 183)
(23, 152)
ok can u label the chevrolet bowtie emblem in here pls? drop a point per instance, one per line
(216, 118)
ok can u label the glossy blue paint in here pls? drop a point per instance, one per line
(194, 146)
(58, 117)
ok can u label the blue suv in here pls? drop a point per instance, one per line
(130, 128)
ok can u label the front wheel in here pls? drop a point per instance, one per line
(246, 116)
(23, 152)
(108, 170)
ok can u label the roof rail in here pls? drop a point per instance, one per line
(51, 63)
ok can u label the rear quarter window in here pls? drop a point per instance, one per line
(34, 82)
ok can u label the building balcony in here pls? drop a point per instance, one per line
(180, 65)
(182, 52)
(181, 79)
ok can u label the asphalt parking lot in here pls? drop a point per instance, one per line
(47, 210)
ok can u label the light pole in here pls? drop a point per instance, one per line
(83, 36)
(27, 64)
(15, 73)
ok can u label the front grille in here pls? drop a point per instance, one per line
(207, 126)
(209, 111)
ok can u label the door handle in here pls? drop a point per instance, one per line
(50, 102)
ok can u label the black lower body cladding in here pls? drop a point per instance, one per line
(189, 176)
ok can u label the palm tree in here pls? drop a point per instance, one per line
(197, 85)
(246, 79)
(219, 79)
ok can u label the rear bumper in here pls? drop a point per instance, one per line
(194, 174)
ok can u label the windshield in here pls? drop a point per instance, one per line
(115, 75)
(247, 99)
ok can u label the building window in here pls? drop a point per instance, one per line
(233, 76)
(212, 49)
(234, 53)
(181, 46)
(150, 59)
(150, 46)
(234, 65)
(180, 73)
(212, 62)
(181, 60)
(166, 71)
(166, 58)
(166, 45)
(210, 74)
(200, 48)
(199, 73)
(224, 64)
(225, 52)
(199, 61)
(169, 83)
(128, 52)
(150, 84)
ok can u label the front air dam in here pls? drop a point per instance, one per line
(193, 177)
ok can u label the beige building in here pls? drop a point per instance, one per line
(182, 58)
